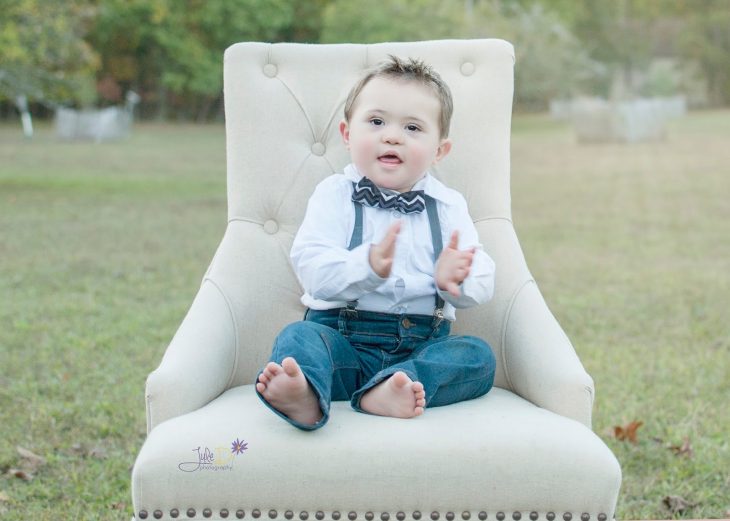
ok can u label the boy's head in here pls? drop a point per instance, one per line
(396, 122)
(408, 70)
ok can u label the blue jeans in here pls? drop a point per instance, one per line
(343, 354)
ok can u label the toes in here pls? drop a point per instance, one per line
(272, 369)
(290, 366)
(420, 403)
(418, 411)
(417, 387)
(400, 379)
(260, 387)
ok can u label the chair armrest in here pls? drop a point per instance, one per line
(198, 364)
(541, 364)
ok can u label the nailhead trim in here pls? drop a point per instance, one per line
(369, 515)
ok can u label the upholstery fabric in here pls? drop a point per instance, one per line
(526, 446)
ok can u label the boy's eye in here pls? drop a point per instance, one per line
(413, 128)
(376, 121)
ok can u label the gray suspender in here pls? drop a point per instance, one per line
(434, 224)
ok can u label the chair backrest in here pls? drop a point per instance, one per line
(283, 105)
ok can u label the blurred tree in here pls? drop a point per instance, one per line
(706, 41)
(43, 53)
(171, 51)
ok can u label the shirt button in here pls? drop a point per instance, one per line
(396, 214)
(406, 323)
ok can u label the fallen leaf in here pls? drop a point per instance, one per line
(98, 452)
(682, 450)
(18, 473)
(627, 432)
(32, 459)
(677, 504)
(4, 498)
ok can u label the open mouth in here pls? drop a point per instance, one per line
(390, 159)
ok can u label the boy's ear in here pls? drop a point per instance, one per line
(345, 133)
(443, 150)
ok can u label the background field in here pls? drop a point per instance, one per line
(102, 248)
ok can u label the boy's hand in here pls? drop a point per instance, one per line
(453, 266)
(381, 255)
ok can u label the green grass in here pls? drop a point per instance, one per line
(102, 248)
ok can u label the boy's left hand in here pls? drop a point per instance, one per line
(453, 266)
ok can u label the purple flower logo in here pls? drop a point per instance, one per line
(238, 446)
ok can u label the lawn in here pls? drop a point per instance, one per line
(102, 248)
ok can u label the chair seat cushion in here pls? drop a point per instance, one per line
(497, 453)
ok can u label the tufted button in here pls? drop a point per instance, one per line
(318, 149)
(585, 516)
(336, 515)
(467, 68)
(400, 516)
(449, 516)
(240, 514)
(303, 515)
(157, 514)
(272, 514)
(602, 517)
(567, 516)
(384, 516)
(465, 514)
(270, 70)
(224, 513)
(256, 513)
(434, 515)
(271, 227)
(191, 512)
(174, 513)
(207, 512)
(288, 514)
(516, 516)
(143, 514)
(416, 515)
(482, 515)
(550, 516)
(500, 516)
(534, 515)
(369, 516)
(352, 516)
(319, 515)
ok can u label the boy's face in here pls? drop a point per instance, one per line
(393, 135)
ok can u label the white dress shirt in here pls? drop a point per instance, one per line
(332, 275)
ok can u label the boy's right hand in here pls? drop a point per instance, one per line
(381, 254)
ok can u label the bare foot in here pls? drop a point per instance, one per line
(398, 396)
(287, 390)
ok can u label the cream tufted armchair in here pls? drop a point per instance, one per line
(214, 451)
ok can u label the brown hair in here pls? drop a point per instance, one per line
(412, 70)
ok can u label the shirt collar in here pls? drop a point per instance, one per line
(428, 183)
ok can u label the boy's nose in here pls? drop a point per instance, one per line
(392, 136)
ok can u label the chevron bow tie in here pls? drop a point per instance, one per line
(367, 193)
